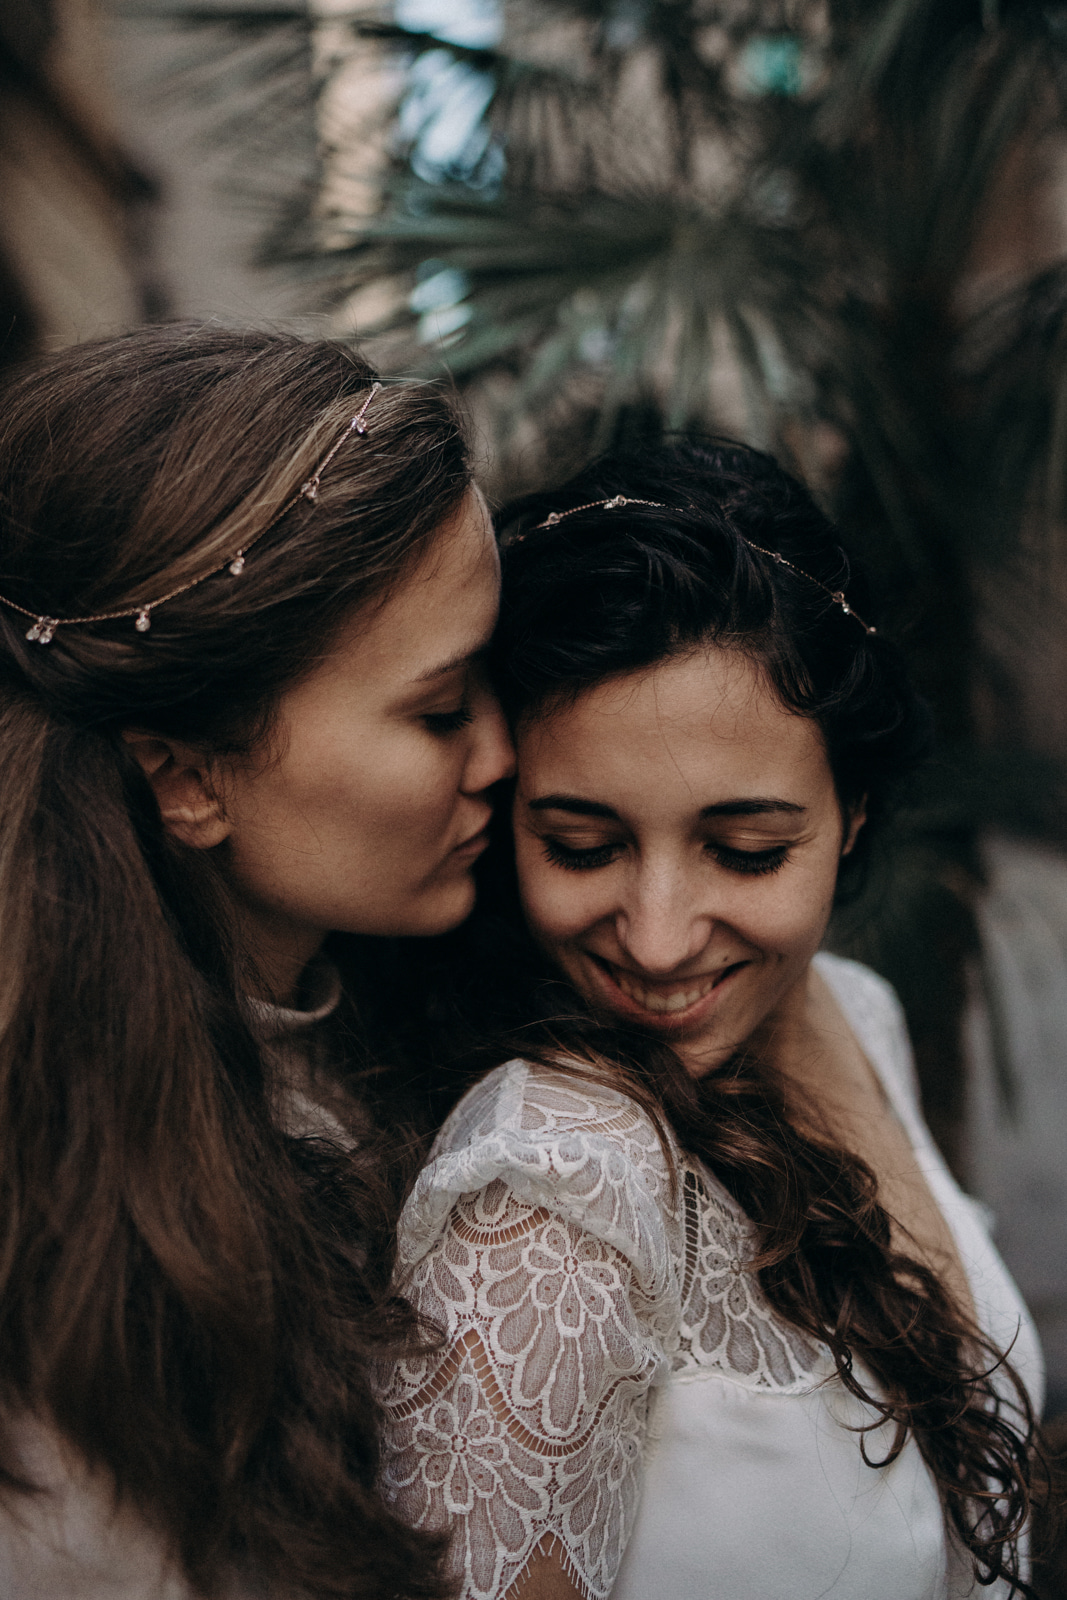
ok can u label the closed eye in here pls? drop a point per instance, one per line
(752, 862)
(572, 860)
(445, 722)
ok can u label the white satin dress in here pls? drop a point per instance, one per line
(613, 1375)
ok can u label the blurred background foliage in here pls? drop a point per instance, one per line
(823, 226)
(77, 208)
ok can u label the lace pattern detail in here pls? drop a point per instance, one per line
(583, 1149)
(570, 1272)
(727, 1325)
(532, 1421)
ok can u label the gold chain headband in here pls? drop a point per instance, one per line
(44, 627)
(619, 500)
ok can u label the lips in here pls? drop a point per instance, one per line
(653, 1000)
(677, 1001)
(474, 845)
(475, 842)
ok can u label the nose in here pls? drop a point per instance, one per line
(660, 925)
(492, 754)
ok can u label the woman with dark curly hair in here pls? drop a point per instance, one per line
(719, 1321)
(244, 595)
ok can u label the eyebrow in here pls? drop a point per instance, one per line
(722, 808)
(751, 808)
(570, 802)
(462, 659)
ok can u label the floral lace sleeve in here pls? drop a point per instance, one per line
(528, 1422)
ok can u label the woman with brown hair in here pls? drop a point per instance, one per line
(244, 594)
(719, 1321)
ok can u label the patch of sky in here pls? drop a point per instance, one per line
(596, 345)
(478, 24)
(437, 299)
(441, 119)
(772, 63)
(583, 319)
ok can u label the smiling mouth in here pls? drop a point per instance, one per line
(666, 1000)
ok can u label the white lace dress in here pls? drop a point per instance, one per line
(614, 1376)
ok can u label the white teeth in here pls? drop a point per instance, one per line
(663, 1004)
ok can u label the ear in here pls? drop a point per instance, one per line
(854, 821)
(180, 776)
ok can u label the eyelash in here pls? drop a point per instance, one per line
(754, 863)
(445, 722)
(561, 855)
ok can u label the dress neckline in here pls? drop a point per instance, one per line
(320, 986)
(307, 1103)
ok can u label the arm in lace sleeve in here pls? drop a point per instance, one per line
(527, 1425)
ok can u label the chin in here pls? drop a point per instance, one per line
(441, 911)
(420, 913)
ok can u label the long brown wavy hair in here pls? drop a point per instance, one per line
(189, 1296)
(606, 592)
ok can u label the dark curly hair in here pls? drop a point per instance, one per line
(607, 591)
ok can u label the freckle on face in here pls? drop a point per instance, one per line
(665, 917)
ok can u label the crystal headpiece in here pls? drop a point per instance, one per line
(44, 627)
(616, 503)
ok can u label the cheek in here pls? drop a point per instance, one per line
(557, 904)
(789, 912)
(393, 787)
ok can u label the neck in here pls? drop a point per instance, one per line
(785, 1038)
(826, 1077)
(279, 954)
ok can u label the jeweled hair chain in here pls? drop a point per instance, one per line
(616, 503)
(44, 627)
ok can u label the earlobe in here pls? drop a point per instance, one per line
(181, 780)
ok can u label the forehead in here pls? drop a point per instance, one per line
(444, 607)
(692, 730)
